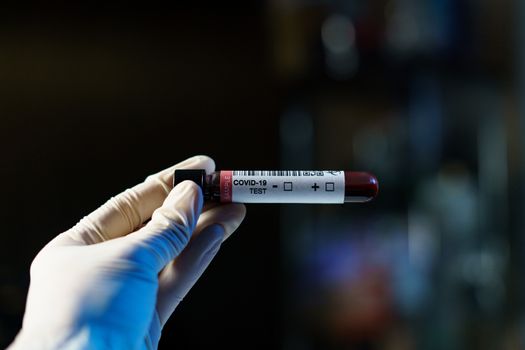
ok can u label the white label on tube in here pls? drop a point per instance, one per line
(287, 186)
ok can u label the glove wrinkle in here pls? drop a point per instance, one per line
(126, 204)
(85, 230)
(156, 179)
(171, 225)
(164, 244)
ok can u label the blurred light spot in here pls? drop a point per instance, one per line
(422, 240)
(482, 268)
(403, 32)
(338, 36)
(425, 122)
(484, 271)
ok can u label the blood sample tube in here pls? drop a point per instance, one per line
(282, 186)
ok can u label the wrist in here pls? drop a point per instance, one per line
(48, 340)
(80, 338)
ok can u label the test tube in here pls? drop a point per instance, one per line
(282, 186)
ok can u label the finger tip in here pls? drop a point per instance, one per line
(205, 162)
(188, 189)
(240, 210)
(187, 185)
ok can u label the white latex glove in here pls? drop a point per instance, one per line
(112, 282)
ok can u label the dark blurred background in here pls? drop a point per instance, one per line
(428, 95)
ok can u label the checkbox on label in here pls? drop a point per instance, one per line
(288, 186)
(329, 187)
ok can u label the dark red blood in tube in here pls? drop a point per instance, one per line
(360, 186)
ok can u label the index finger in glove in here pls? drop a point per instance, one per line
(127, 211)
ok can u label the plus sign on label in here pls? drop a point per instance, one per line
(315, 186)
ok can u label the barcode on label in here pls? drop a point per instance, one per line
(277, 173)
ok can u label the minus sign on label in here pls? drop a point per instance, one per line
(275, 186)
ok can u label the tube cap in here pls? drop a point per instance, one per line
(360, 186)
(196, 175)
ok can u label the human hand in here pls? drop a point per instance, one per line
(112, 280)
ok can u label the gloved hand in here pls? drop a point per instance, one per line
(112, 281)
